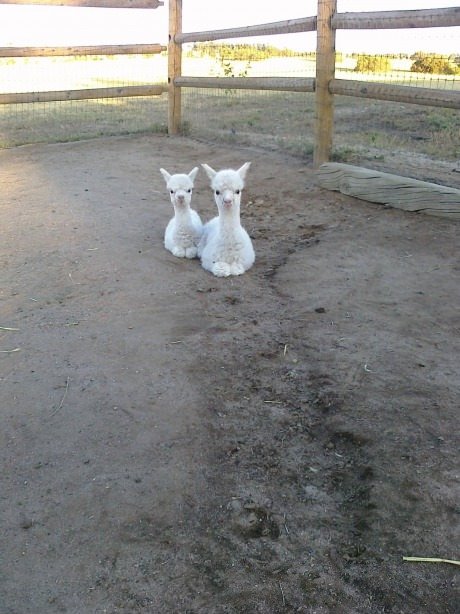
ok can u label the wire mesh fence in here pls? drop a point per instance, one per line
(420, 69)
(64, 120)
(61, 121)
(272, 120)
(364, 129)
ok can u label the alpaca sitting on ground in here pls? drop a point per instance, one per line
(225, 247)
(184, 230)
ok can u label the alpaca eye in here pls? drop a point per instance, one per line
(189, 191)
(172, 191)
(237, 191)
(217, 192)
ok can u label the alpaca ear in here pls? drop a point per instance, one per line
(210, 172)
(165, 174)
(193, 173)
(243, 170)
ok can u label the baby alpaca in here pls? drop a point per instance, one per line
(184, 230)
(225, 247)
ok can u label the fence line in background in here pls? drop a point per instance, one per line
(81, 94)
(88, 50)
(325, 85)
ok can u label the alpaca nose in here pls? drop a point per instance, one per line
(180, 196)
(228, 197)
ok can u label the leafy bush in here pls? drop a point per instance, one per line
(373, 63)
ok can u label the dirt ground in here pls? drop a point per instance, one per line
(173, 442)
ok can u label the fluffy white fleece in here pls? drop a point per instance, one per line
(225, 247)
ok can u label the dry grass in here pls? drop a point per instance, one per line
(364, 129)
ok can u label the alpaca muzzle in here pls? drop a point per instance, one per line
(228, 199)
(180, 197)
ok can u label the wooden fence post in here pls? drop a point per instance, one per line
(174, 67)
(325, 70)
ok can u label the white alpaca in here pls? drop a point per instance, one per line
(225, 247)
(184, 230)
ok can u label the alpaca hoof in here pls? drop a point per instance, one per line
(237, 269)
(221, 269)
(180, 252)
(191, 252)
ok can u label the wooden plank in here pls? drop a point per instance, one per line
(285, 84)
(391, 190)
(174, 67)
(396, 93)
(422, 18)
(22, 52)
(110, 4)
(305, 24)
(325, 70)
(88, 94)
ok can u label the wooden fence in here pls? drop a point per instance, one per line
(82, 94)
(89, 93)
(325, 85)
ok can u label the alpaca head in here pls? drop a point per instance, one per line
(180, 187)
(227, 185)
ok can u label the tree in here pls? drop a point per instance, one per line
(432, 63)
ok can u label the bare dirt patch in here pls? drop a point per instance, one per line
(174, 442)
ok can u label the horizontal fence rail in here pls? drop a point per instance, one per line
(291, 26)
(106, 4)
(128, 91)
(396, 93)
(383, 20)
(22, 52)
(281, 84)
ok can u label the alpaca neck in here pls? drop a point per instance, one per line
(230, 219)
(182, 214)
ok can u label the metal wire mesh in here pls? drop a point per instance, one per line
(79, 119)
(272, 120)
(418, 69)
(364, 129)
(65, 120)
